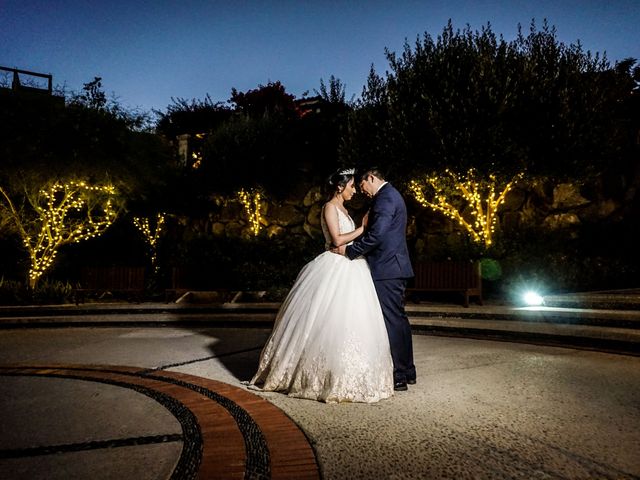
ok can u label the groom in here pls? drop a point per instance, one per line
(384, 245)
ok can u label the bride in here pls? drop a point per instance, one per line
(329, 341)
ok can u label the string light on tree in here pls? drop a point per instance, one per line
(196, 154)
(481, 197)
(62, 213)
(252, 203)
(196, 158)
(143, 224)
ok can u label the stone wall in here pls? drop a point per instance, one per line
(294, 216)
(558, 207)
(540, 204)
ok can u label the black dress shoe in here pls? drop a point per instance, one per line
(411, 381)
(400, 386)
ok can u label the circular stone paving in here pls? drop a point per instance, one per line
(203, 428)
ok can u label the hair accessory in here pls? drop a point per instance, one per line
(347, 171)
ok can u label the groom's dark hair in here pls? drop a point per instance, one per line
(375, 171)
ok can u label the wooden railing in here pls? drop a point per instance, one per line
(17, 84)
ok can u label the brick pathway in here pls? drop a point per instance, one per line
(227, 432)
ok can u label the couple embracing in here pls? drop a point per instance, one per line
(342, 334)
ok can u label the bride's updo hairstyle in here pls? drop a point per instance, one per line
(338, 180)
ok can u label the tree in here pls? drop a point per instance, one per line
(335, 93)
(56, 215)
(192, 117)
(471, 202)
(151, 235)
(94, 98)
(93, 95)
(269, 99)
(253, 205)
(366, 141)
(470, 99)
(253, 153)
(89, 137)
(260, 147)
(267, 140)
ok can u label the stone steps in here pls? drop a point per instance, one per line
(615, 328)
(628, 299)
(606, 321)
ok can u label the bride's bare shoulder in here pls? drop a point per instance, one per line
(329, 210)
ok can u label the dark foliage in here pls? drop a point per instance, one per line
(266, 100)
(471, 99)
(273, 142)
(597, 258)
(44, 139)
(46, 293)
(191, 117)
(244, 264)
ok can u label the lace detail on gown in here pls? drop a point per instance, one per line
(329, 342)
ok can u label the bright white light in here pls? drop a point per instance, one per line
(533, 299)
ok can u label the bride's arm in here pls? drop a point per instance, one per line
(333, 225)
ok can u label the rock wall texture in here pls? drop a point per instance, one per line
(542, 204)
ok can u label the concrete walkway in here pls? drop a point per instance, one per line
(159, 395)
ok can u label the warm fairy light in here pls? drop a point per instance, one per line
(252, 203)
(65, 213)
(197, 160)
(481, 197)
(151, 237)
(196, 154)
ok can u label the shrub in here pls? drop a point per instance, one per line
(556, 262)
(260, 263)
(13, 292)
(52, 292)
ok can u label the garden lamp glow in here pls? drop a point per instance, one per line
(532, 298)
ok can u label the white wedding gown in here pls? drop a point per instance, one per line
(329, 342)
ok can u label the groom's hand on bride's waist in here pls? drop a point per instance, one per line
(341, 250)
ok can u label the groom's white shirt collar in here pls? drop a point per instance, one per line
(383, 184)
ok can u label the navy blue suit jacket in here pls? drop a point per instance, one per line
(384, 243)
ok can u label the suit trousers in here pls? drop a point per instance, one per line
(391, 296)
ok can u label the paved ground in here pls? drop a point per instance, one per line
(481, 409)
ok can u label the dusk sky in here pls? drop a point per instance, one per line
(149, 51)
